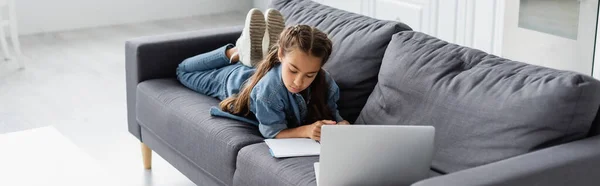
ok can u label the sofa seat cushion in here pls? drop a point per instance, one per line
(256, 167)
(180, 117)
(484, 108)
(358, 46)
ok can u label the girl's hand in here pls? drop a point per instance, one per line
(344, 122)
(313, 131)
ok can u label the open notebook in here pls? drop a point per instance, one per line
(293, 147)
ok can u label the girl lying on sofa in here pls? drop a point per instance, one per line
(272, 78)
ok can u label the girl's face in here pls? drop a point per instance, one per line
(298, 69)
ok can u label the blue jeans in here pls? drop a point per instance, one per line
(212, 74)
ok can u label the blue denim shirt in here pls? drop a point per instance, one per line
(273, 106)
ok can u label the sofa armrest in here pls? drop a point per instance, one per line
(155, 57)
(575, 163)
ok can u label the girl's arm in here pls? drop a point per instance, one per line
(297, 132)
(312, 131)
(270, 116)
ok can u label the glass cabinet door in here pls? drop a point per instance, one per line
(553, 33)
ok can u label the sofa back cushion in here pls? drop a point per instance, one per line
(358, 46)
(595, 129)
(484, 108)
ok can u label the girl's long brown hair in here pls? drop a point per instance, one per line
(300, 37)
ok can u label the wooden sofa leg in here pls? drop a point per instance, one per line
(147, 154)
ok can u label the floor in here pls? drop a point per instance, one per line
(55, 166)
(74, 81)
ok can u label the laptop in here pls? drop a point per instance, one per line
(374, 154)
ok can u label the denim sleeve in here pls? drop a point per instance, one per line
(269, 112)
(334, 96)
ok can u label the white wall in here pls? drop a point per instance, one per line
(35, 16)
(261, 4)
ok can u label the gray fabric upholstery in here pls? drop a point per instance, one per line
(198, 175)
(180, 117)
(595, 129)
(484, 108)
(256, 167)
(358, 46)
(574, 164)
(158, 56)
(433, 174)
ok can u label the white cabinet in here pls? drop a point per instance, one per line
(414, 13)
(355, 6)
(472, 23)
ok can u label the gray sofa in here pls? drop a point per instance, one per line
(498, 122)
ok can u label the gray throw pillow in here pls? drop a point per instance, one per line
(484, 108)
(358, 46)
